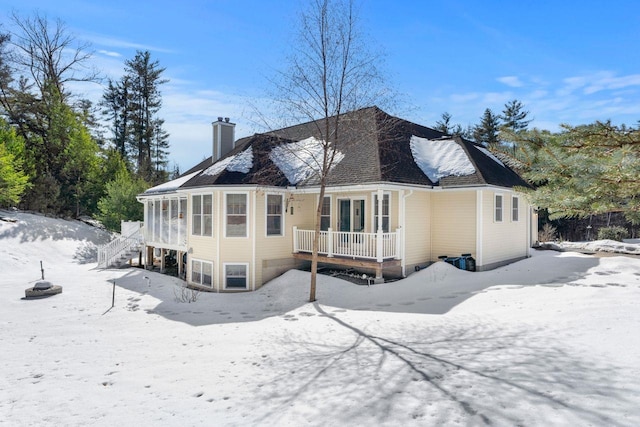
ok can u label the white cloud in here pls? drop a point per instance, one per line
(110, 53)
(511, 81)
(114, 42)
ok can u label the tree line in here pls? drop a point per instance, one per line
(577, 172)
(54, 157)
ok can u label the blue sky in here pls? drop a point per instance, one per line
(568, 61)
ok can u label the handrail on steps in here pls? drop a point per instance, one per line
(113, 250)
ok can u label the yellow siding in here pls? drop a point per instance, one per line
(272, 248)
(506, 240)
(417, 248)
(453, 225)
(442, 222)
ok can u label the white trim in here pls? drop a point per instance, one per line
(219, 230)
(247, 218)
(479, 227)
(253, 243)
(374, 211)
(224, 275)
(282, 215)
(402, 217)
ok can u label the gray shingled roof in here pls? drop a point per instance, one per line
(376, 148)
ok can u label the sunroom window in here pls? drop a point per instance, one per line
(202, 215)
(236, 215)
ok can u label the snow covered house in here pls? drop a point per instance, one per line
(246, 215)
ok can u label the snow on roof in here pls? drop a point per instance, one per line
(171, 185)
(239, 162)
(440, 158)
(490, 154)
(300, 160)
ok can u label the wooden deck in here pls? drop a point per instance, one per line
(352, 262)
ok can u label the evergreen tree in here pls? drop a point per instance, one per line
(120, 202)
(150, 142)
(486, 133)
(583, 170)
(514, 117)
(444, 124)
(115, 108)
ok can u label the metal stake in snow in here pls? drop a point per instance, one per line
(41, 270)
(113, 296)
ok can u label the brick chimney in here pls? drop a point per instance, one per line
(223, 137)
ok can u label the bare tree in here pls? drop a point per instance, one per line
(49, 53)
(330, 72)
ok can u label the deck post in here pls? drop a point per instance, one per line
(398, 243)
(379, 278)
(329, 243)
(295, 239)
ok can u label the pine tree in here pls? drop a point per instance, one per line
(444, 124)
(149, 141)
(514, 117)
(583, 170)
(486, 133)
(115, 108)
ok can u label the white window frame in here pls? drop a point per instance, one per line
(267, 215)
(515, 208)
(202, 263)
(246, 269)
(330, 211)
(202, 217)
(226, 215)
(374, 197)
(498, 208)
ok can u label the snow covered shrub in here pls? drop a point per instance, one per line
(186, 294)
(616, 233)
(548, 233)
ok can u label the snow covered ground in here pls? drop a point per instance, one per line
(629, 246)
(551, 340)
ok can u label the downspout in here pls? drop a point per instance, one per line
(218, 237)
(253, 241)
(403, 207)
(479, 228)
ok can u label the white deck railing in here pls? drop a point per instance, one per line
(376, 246)
(113, 250)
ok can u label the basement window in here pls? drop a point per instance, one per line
(202, 273)
(235, 276)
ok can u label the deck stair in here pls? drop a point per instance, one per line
(120, 250)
